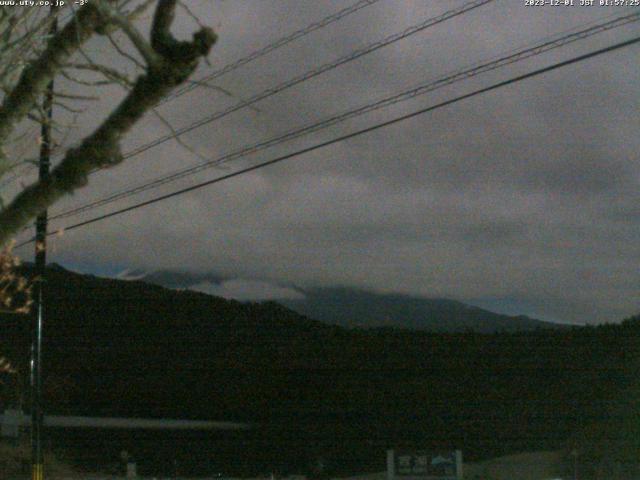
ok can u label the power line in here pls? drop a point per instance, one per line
(58, 19)
(363, 131)
(308, 75)
(281, 42)
(311, 74)
(385, 102)
(354, 55)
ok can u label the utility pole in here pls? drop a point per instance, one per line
(37, 457)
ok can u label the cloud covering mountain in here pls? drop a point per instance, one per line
(349, 307)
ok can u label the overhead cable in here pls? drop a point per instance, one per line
(424, 88)
(308, 75)
(348, 136)
(281, 42)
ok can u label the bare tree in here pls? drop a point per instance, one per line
(31, 56)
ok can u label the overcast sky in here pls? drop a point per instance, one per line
(522, 200)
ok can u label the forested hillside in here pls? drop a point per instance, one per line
(127, 348)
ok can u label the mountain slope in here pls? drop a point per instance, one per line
(127, 348)
(349, 307)
(357, 308)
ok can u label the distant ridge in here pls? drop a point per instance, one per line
(358, 308)
(354, 308)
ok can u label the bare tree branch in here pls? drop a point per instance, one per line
(173, 131)
(147, 52)
(38, 74)
(178, 60)
(126, 55)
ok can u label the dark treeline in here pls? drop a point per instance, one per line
(118, 348)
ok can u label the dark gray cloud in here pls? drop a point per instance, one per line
(525, 197)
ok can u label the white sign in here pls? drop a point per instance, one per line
(424, 465)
